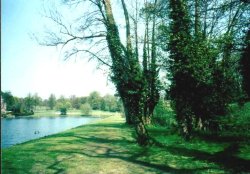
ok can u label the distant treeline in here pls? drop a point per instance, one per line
(29, 104)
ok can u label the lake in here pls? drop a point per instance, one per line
(19, 130)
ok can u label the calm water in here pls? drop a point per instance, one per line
(19, 130)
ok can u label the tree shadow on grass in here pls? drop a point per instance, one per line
(107, 147)
(55, 167)
(104, 147)
(217, 138)
(227, 158)
(122, 153)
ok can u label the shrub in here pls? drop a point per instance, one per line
(85, 109)
(63, 111)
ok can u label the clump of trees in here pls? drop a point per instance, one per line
(199, 44)
(21, 106)
(204, 60)
(29, 104)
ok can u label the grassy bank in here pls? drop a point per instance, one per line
(107, 146)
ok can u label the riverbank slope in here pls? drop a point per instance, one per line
(108, 146)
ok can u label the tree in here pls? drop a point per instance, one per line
(63, 110)
(99, 29)
(150, 68)
(8, 99)
(245, 65)
(94, 100)
(52, 101)
(202, 58)
(182, 82)
(109, 103)
(63, 104)
(37, 100)
(29, 103)
(75, 102)
(85, 109)
(83, 100)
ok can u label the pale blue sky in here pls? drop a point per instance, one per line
(30, 68)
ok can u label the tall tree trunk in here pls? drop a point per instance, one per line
(129, 50)
(245, 66)
(149, 67)
(154, 92)
(136, 31)
(205, 21)
(182, 83)
(127, 74)
(197, 19)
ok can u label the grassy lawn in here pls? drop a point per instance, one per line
(108, 146)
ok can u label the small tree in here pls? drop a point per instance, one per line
(52, 101)
(8, 100)
(85, 109)
(95, 100)
(29, 103)
(36, 100)
(63, 111)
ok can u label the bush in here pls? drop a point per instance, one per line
(85, 109)
(63, 111)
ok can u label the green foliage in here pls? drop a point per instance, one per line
(8, 99)
(182, 81)
(63, 110)
(67, 105)
(52, 101)
(110, 103)
(36, 100)
(29, 102)
(204, 75)
(245, 65)
(94, 100)
(163, 114)
(86, 109)
(75, 102)
(59, 105)
(237, 121)
(62, 104)
(20, 106)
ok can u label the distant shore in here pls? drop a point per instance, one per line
(54, 113)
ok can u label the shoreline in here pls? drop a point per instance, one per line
(109, 146)
(93, 121)
(74, 113)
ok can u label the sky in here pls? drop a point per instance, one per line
(27, 67)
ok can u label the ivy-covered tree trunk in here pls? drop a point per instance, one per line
(182, 82)
(245, 66)
(127, 75)
(203, 81)
(134, 110)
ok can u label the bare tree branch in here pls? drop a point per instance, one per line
(76, 51)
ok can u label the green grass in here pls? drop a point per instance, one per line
(108, 146)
